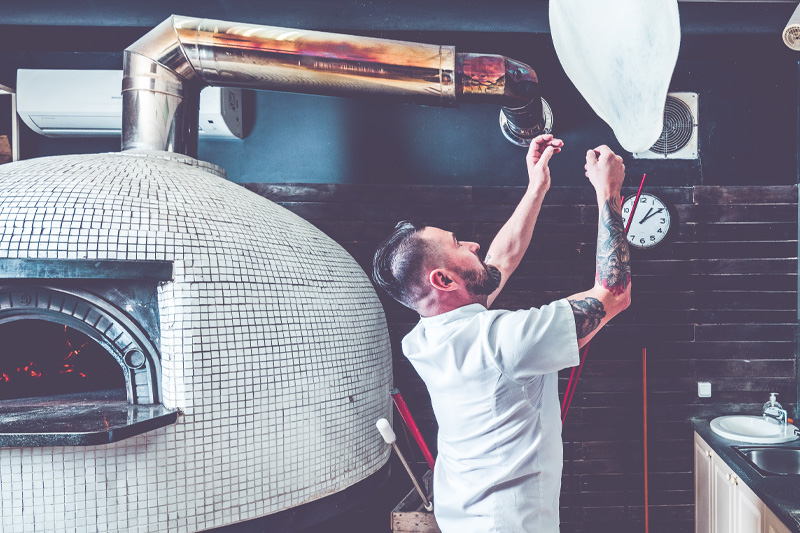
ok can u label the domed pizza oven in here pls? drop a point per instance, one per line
(185, 294)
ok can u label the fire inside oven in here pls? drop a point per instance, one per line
(42, 358)
(79, 358)
(68, 339)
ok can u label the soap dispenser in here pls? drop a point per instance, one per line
(773, 402)
(773, 409)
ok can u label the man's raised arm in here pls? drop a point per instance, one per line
(512, 240)
(611, 293)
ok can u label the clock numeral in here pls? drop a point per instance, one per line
(643, 199)
(641, 241)
(660, 230)
(652, 237)
(662, 220)
(626, 210)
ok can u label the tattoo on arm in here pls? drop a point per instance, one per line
(588, 314)
(613, 256)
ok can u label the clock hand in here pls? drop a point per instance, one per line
(649, 214)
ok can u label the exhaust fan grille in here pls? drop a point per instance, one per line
(678, 127)
(678, 138)
(791, 36)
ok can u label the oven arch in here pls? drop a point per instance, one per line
(101, 320)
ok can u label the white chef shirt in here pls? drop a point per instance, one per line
(492, 378)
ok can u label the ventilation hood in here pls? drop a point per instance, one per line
(165, 70)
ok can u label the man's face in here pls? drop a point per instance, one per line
(462, 257)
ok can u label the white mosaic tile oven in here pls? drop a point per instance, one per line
(255, 383)
(273, 347)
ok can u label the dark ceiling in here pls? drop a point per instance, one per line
(528, 16)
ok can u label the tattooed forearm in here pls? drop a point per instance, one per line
(588, 314)
(613, 256)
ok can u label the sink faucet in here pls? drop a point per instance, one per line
(774, 410)
(776, 414)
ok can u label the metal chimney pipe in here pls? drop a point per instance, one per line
(165, 70)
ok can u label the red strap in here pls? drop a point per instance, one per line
(571, 390)
(635, 203)
(566, 392)
(644, 408)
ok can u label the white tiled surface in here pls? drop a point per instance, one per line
(274, 345)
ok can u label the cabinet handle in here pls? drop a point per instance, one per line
(708, 453)
(730, 477)
(735, 480)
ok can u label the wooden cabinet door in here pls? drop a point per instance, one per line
(748, 509)
(772, 524)
(722, 500)
(723, 503)
(702, 486)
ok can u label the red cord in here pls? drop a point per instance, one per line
(412, 426)
(572, 385)
(571, 390)
(635, 203)
(569, 386)
(644, 406)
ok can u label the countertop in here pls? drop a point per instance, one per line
(80, 419)
(781, 494)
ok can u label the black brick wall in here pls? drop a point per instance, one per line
(716, 301)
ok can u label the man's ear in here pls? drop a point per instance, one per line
(441, 280)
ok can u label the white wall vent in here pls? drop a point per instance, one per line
(88, 103)
(678, 139)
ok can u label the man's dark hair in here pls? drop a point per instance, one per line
(399, 261)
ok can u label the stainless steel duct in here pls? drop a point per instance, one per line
(165, 70)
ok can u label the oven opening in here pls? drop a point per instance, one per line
(43, 358)
(79, 358)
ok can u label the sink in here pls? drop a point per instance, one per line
(753, 429)
(773, 460)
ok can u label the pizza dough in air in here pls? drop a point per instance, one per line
(620, 55)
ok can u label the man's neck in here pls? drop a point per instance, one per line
(445, 306)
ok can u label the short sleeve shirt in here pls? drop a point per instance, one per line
(492, 378)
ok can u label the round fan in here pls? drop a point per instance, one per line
(678, 127)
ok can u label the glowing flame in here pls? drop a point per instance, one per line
(34, 370)
(29, 370)
(73, 352)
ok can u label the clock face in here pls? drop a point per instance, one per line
(650, 221)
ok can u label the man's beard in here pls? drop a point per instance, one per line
(481, 281)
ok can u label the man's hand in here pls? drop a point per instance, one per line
(605, 171)
(542, 149)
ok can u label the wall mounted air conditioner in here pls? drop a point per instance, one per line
(88, 103)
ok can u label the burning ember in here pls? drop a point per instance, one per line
(40, 358)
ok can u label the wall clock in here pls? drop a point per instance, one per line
(650, 221)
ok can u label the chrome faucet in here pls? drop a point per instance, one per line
(774, 410)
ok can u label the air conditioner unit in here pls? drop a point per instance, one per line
(88, 103)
